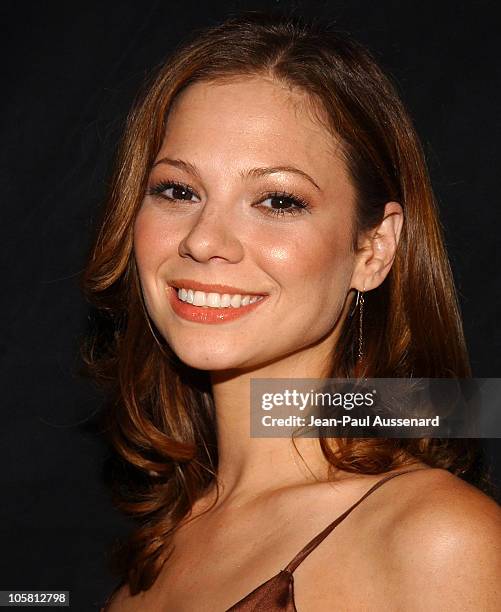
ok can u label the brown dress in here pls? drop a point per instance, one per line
(277, 593)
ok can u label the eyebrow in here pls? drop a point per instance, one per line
(253, 172)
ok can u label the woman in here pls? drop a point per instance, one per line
(269, 174)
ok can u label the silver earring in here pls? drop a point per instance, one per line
(360, 300)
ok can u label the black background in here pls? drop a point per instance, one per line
(71, 72)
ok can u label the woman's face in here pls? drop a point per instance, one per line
(230, 148)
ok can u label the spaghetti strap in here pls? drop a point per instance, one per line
(301, 556)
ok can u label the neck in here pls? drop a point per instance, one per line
(251, 467)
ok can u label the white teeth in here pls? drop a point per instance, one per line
(199, 298)
(216, 300)
(213, 299)
(236, 300)
(225, 300)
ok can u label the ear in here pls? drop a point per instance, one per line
(377, 250)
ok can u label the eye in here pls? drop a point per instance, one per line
(282, 203)
(172, 190)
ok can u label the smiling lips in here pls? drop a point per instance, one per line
(187, 283)
(211, 307)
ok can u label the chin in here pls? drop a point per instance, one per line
(208, 359)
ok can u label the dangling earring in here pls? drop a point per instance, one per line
(360, 303)
(360, 328)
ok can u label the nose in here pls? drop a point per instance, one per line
(212, 235)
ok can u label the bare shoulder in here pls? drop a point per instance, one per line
(445, 545)
(442, 505)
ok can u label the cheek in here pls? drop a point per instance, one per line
(312, 270)
(318, 260)
(152, 241)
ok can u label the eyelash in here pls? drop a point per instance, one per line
(302, 206)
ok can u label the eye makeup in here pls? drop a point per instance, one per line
(182, 192)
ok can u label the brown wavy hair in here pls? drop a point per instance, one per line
(160, 415)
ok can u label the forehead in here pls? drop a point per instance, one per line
(253, 117)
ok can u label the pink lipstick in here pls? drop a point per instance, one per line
(208, 314)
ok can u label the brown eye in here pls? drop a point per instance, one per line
(284, 204)
(172, 191)
(180, 193)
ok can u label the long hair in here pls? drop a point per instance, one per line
(160, 416)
